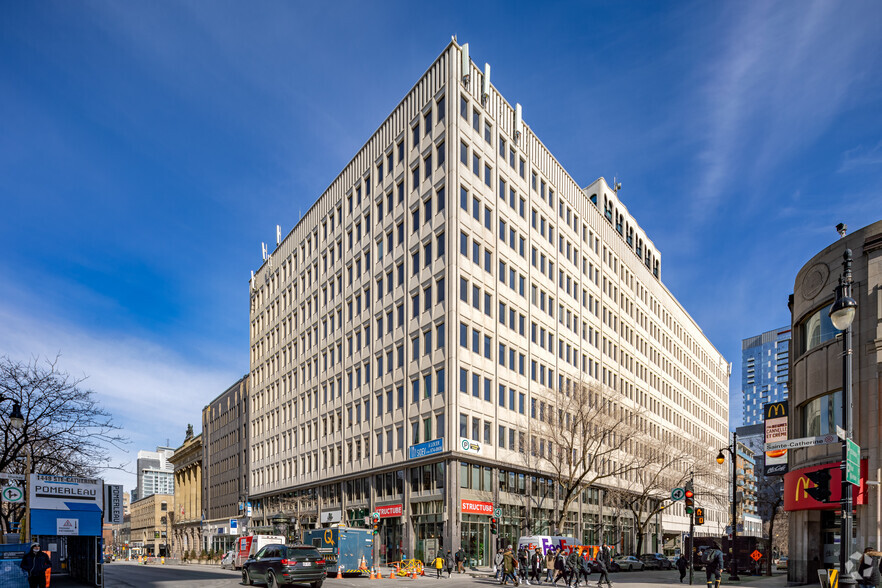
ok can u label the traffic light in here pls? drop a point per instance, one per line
(690, 498)
(821, 491)
(493, 528)
(376, 529)
(699, 516)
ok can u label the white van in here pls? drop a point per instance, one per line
(546, 542)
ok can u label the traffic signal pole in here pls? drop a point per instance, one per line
(691, 558)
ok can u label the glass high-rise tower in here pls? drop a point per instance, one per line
(765, 361)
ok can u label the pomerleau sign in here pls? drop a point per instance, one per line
(60, 492)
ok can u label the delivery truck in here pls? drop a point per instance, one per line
(346, 549)
(250, 544)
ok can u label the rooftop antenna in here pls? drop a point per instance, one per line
(263, 249)
(485, 85)
(278, 235)
(617, 185)
(466, 65)
(519, 121)
(252, 279)
(841, 228)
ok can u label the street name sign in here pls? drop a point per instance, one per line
(853, 463)
(801, 442)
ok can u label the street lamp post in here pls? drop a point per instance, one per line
(16, 421)
(732, 449)
(842, 314)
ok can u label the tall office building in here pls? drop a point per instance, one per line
(405, 331)
(156, 474)
(765, 367)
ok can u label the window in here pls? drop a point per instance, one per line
(488, 175)
(822, 414)
(441, 107)
(464, 199)
(415, 175)
(476, 120)
(488, 133)
(476, 164)
(464, 107)
(463, 425)
(427, 123)
(416, 134)
(817, 329)
(440, 197)
(464, 153)
(442, 154)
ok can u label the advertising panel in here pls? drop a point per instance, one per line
(775, 418)
(796, 483)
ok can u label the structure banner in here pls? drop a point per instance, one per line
(796, 482)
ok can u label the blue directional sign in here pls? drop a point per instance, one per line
(424, 449)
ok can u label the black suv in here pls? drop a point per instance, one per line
(279, 564)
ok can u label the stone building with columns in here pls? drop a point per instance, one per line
(187, 517)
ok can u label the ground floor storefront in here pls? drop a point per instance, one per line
(431, 507)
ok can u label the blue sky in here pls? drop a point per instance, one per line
(148, 148)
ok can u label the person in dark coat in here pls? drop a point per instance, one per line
(682, 564)
(450, 563)
(536, 562)
(573, 568)
(35, 563)
(523, 565)
(584, 568)
(560, 567)
(604, 560)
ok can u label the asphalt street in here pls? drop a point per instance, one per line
(132, 575)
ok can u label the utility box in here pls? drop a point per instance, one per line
(347, 549)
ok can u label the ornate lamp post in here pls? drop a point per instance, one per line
(842, 315)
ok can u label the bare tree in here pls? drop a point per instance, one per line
(662, 465)
(301, 508)
(770, 500)
(65, 430)
(583, 435)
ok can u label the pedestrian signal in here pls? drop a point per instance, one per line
(699, 516)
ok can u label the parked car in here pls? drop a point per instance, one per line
(278, 564)
(228, 561)
(595, 567)
(782, 562)
(629, 563)
(655, 561)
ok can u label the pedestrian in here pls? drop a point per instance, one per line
(498, 562)
(439, 566)
(573, 568)
(549, 565)
(460, 557)
(713, 559)
(35, 564)
(450, 563)
(523, 565)
(604, 561)
(682, 564)
(584, 567)
(536, 563)
(868, 568)
(509, 565)
(560, 567)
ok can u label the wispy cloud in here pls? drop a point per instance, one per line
(778, 84)
(151, 392)
(860, 157)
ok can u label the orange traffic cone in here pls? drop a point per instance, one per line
(339, 572)
(392, 575)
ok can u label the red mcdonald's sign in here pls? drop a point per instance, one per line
(795, 483)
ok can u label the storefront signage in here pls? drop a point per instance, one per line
(393, 510)
(469, 446)
(796, 482)
(775, 419)
(475, 507)
(61, 492)
(425, 449)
